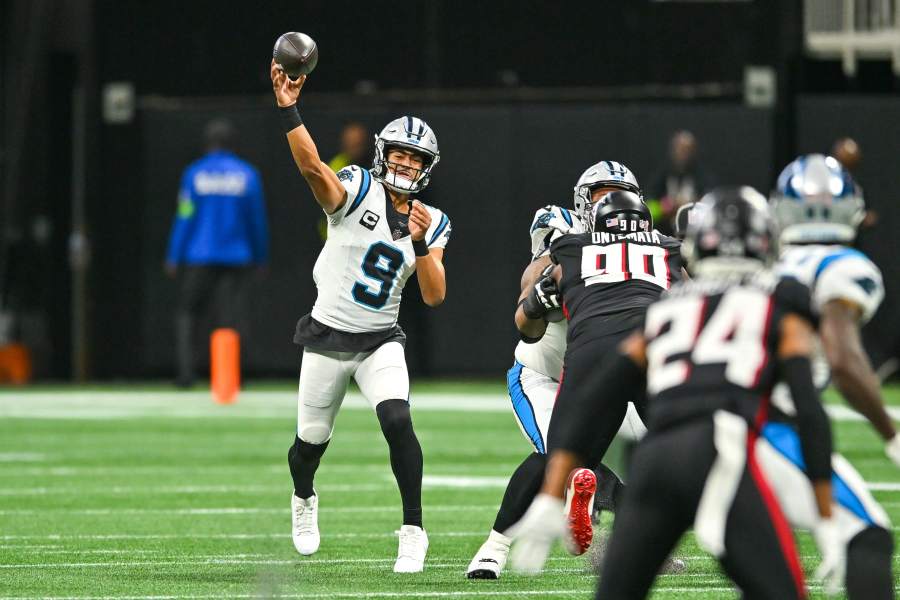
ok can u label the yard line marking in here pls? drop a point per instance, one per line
(13, 457)
(225, 560)
(233, 510)
(100, 404)
(225, 536)
(190, 489)
(883, 486)
(430, 481)
(471, 481)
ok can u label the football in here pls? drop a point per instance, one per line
(296, 54)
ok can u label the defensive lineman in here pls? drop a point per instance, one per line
(710, 349)
(818, 207)
(606, 279)
(533, 379)
(377, 237)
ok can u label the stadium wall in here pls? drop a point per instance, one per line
(499, 163)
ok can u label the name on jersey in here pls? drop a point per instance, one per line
(602, 237)
(220, 184)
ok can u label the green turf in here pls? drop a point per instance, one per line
(198, 507)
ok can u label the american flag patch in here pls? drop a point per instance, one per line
(612, 222)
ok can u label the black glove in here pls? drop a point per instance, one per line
(542, 298)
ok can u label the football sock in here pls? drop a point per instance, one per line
(406, 456)
(523, 486)
(303, 459)
(869, 565)
(609, 489)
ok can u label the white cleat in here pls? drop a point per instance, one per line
(305, 524)
(490, 559)
(413, 547)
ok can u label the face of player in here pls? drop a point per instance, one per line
(405, 163)
(598, 193)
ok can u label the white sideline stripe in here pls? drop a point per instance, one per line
(233, 510)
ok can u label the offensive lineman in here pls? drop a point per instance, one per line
(818, 207)
(377, 237)
(533, 380)
(709, 352)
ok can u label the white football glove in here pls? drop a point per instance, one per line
(833, 567)
(892, 449)
(535, 534)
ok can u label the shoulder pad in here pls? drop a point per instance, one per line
(549, 223)
(850, 276)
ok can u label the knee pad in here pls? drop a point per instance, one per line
(394, 417)
(314, 433)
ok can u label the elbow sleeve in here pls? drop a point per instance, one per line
(812, 422)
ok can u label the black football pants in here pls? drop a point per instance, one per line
(216, 291)
(668, 476)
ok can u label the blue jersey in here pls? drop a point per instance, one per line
(221, 216)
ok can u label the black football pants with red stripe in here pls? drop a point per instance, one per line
(668, 476)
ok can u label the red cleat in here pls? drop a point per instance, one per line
(579, 503)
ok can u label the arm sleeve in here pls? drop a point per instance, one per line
(184, 219)
(438, 234)
(258, 221)
(852, 278)
(812, 422)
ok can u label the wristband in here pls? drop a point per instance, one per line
(290, 117)
(420, 247)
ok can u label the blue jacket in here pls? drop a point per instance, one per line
(221, 217)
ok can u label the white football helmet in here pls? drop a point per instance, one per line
(606, 173)
(410, 133)
(816, 200)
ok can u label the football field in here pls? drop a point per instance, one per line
(147, 493)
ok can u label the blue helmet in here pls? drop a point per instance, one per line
(817, 201)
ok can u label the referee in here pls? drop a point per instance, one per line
(219, 233)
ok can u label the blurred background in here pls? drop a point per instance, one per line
(105, 103)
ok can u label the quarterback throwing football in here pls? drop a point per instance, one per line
(377, 237)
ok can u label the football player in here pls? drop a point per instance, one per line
(818, 207)
(708, 353)
(377, 237)
(606, 278)
(533, 379)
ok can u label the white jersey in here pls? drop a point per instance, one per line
(362, 269)
(546, 355)
(830, 272)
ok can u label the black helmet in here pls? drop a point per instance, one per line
(683, 218)
(733, 224)
(622, 212)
